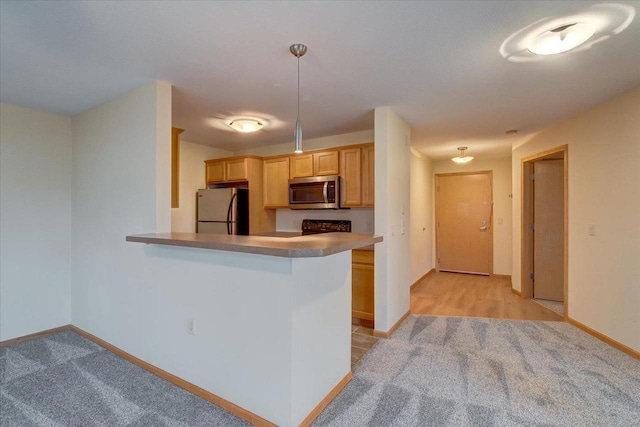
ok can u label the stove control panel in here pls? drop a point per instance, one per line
(315, 226)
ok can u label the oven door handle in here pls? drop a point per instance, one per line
(325, 191)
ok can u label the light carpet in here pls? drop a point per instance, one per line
(65, 380)
(447, 371)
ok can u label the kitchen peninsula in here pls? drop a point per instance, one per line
(276, 328)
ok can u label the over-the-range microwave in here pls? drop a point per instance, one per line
(316, 192)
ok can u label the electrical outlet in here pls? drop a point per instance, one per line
(592, 229)
(191, 326)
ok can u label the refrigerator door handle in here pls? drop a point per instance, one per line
(229, 226)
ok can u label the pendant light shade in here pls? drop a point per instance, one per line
(298, 50)
(298, 136)
(462, 158)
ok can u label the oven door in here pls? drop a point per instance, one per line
(320, 192)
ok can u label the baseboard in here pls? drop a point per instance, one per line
(324, 402)
(33, 336)
(502, 276)
(516, 292)
(613, 343)
(424, 276)
(387, 334)
(191, 388)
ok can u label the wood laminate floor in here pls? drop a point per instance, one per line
(465, 295)
(468, 295)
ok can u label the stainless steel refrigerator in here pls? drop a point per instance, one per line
(223, 211)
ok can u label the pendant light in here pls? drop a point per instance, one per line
(461, 157)
(298, 50)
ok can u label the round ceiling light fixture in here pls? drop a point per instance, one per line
(570, 33)
(246, 125)
(561, 39)
(462, 158)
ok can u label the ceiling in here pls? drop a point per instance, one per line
(436, 64)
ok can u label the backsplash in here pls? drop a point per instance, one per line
(291, 220)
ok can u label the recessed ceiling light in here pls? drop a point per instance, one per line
(246, 125)
(561, 39)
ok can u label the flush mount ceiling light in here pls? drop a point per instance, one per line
(511, 132)
(561, 39)
(246, 125)
(572, 33)
(461, 157)
(298, 50)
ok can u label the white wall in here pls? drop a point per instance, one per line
(192, 178)
(421, 227)
(604, 189)
(502, 233)
(312, 144)
(139, 297)
(392, 265)
(115, 193)
(35, 207)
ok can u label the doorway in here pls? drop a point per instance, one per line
(544, 228)
(464, 209)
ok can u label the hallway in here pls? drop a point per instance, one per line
(467, 295)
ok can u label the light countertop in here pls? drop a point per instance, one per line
(286, 245)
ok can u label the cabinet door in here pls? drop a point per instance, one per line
(301, 166)
(326, 163)
(276, 182)
(215, 171)
(236, 170)
(368, 176)
(351, 175)
(362, 290)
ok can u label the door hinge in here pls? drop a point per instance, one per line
(532, 226)
(531, 276)
(532, 177)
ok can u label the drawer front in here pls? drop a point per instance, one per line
(362, 257)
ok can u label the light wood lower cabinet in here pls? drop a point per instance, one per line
(362, 290)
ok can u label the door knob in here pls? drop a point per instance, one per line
(484, 226)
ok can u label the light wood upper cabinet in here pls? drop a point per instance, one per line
(224, 170)
(175, 167)
(276, 182)
(314, 164)
(215, 170)
(368, 175)
(236, 169)
(326, 163)
(351, 177)
(301, 166)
